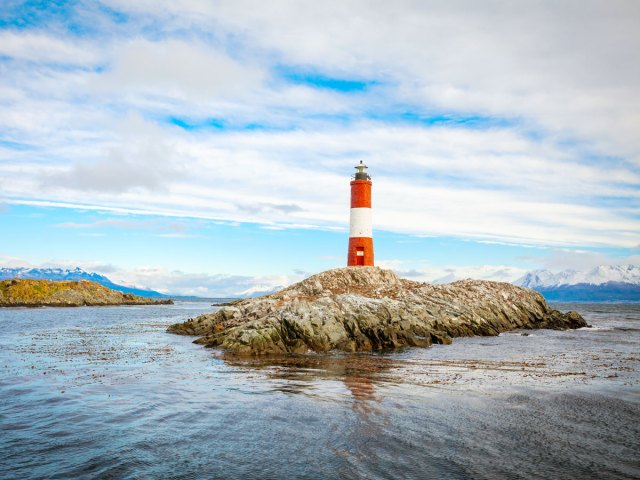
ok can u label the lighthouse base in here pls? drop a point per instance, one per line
(360, 252)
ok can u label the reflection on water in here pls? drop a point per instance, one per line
(298, 373)
(363, 391)
(105, 392)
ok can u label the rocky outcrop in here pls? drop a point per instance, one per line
(38, 293)
(368, 308)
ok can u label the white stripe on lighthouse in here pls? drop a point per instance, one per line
(360, 223)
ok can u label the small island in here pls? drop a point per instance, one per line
(21, 292)
(368, 308)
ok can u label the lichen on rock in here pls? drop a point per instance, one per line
(368, 308)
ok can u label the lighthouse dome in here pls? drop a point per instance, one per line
(361, 172)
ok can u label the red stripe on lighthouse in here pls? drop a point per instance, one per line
(360, 252)
(361, 194)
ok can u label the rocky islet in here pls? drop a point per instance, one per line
(357, 309)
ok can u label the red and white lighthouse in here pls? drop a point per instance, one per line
(360, 227)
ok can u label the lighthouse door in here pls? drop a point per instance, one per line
(359, 255)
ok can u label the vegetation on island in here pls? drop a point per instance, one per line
(21, 292)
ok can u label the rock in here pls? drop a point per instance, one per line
(367, 308)
(37, 293)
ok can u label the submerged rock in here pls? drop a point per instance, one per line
(21, 292)
(368, 308)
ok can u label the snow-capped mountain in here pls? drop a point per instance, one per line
(58, 274)
(603, 283)
(50, 274)
(597, 276)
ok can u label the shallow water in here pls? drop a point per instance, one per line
(105, 392)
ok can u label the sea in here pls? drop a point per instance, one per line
(105, 392)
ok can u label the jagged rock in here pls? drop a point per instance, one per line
(21, 292)
(368, 308)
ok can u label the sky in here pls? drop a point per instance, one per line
(205, 148)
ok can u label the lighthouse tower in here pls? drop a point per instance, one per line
(360, 230)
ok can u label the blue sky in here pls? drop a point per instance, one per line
(205, 147)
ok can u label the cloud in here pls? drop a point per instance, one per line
(265, 207)
(573, 259)
(493, 185)
(302, 273)
(141, 160)
(111, 222)
(115, 173)
(569, 70)
(168, 229)
(426, 272)
(104, 269)
(14, 262)
(125, 223)
(45, 47)
(200, 284)
(494, 123)
(175, 68)
(411, 274)
(169, 281)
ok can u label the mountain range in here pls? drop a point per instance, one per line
(600, 284)
(72, 274)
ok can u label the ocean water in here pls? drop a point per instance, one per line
(106, 393)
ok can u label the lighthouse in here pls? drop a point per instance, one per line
(360, 229)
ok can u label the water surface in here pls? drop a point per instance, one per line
(104, 392)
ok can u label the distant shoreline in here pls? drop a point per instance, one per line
(57, 305)
(26, 293)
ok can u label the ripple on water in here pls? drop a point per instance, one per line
(107, 393)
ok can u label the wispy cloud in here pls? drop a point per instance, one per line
(127, 223)
(450, 273)
(177, 235)
(265, 207)
(490, 196)
(47, 47)
(164, 228)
